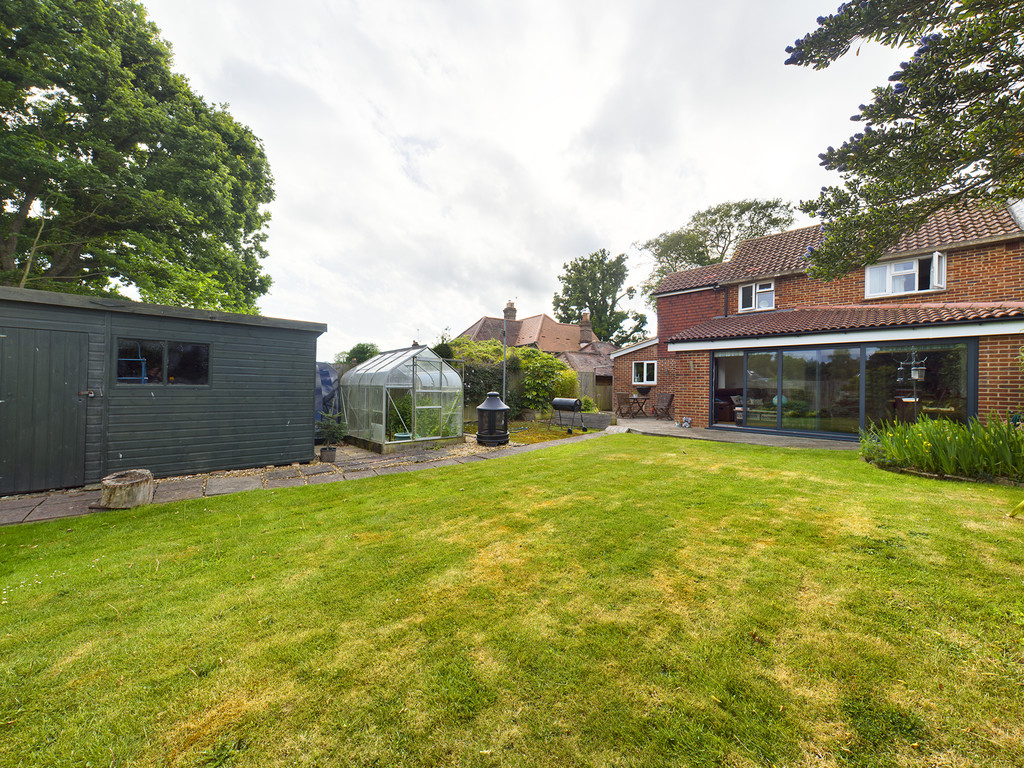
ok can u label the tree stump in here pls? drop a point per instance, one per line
(124, 490)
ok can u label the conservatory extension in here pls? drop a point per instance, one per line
(401, 399)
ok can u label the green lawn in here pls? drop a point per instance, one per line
(623, 601)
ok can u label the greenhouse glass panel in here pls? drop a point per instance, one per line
(403, 395)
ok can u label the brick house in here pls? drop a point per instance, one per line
(934, 328)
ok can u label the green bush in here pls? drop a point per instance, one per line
(943, 447)
(566, 385)
(589, 406)
(544, 375)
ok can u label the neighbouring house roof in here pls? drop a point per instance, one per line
(807, 320)
(785, 252)
(541, 331)
(585, 362)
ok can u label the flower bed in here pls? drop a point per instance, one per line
(948, 448)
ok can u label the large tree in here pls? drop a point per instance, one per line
(594, 283)
(113, 172)
(947, 129)
(711, 236)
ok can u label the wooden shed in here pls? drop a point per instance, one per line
(90, 386)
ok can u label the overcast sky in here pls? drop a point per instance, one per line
(435, 158)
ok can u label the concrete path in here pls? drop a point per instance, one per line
(355, 463)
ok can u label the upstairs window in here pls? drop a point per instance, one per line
(896, 278)
(645, 373)
(757, 296)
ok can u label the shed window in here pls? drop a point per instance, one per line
(144, 361)
(188, 363)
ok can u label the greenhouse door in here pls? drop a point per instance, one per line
(42, 415)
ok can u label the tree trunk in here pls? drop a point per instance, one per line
(9, 247)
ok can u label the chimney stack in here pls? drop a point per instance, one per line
(510, 311)
(586, 329)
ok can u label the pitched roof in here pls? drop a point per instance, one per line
(785, 252)
(955, 226)
(541, 331)
(699, 277)
(808, 320)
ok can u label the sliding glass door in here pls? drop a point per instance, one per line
(839, 389)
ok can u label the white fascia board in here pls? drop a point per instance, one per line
(634, 348)
(859, 336)
(709, 287)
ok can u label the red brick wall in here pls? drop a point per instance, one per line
(692, 379)
(992, 272)
(622, 371)
(676, 313)
(1000, 381)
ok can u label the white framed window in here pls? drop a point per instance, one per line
(757, 296)
(895, 278)
(645, 373)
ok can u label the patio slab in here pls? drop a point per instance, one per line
(218, 486)
(178, 490)
(333, 477)
(355, 475)
(16, 510)
(317, 469)
(273, 474)
(284, 482)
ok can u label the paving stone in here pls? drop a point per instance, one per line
(16, 510)
(392, 470)
(469, 459)
(282, 472)
(54, 511)
(316, 469)
(285, 482)
(218, 486)
(334, 477)
(438, 463)
(178, 490)
(360, 473)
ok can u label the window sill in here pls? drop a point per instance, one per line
(882, 296)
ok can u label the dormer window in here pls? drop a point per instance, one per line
(757, 296)
(896, 278)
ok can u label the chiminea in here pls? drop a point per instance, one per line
(492, 421)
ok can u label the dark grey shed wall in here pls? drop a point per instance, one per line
(257, 408)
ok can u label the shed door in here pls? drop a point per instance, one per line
(42, 415)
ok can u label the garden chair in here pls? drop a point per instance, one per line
(623, 404)
(662, 407)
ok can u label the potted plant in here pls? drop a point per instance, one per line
(332, 431)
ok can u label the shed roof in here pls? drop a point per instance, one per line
(102, 303)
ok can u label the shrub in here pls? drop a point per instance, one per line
(943, 447)
(566, 384)
(589, 406)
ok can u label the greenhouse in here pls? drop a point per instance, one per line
(402, 398)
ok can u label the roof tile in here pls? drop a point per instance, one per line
(809, 320)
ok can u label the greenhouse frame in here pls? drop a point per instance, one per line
(402, 399)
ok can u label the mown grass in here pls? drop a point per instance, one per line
(624, 601)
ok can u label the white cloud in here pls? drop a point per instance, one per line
(434, 159)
